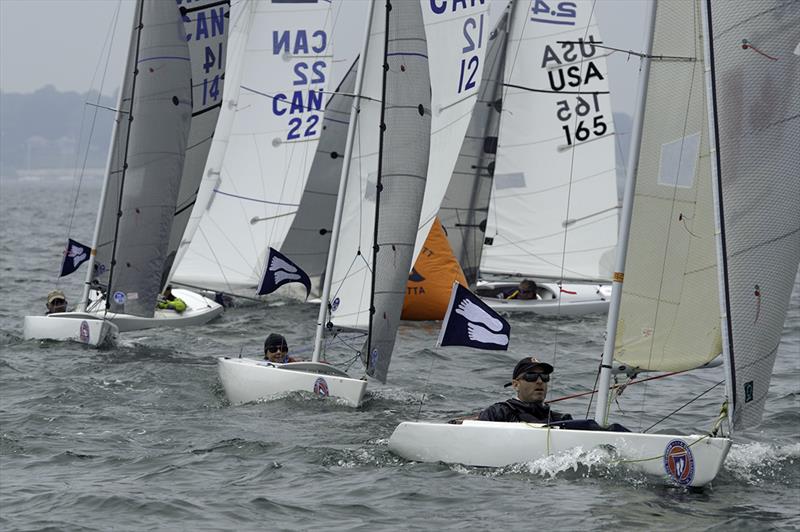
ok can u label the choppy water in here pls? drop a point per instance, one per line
(140, 436)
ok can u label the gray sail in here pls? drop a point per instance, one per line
(755, 96)
(206, 26)
(309, 237)
(404, 168)
(160, 118)
(466, 203)
(109, 205)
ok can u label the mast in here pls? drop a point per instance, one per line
(84, 302)
(719, 219)
(337, 217)
(601, 412)
(378, 183)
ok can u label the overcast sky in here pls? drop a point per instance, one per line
(61, 42)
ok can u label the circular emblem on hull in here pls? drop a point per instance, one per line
(321, 387)
(84, 332)
(679, 462)
(119, 297)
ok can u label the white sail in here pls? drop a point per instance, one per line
(158, 131)
(309, 237)
(465, 206)
(206, 26)
(669, 312)
(755, 95)
(277, 120)
(553, 210)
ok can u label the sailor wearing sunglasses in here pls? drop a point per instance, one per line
(530, 379)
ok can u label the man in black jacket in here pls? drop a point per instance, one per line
(530, 379)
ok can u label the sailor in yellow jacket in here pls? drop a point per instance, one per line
(169, 301)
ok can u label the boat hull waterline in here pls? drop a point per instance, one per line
(246, 380)
(199, 311)
(691, 460)
(70, 326)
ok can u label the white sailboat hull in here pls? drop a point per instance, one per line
(493, 444)
(199, 311)
(70, 326)
(246, 380)
(586, 299)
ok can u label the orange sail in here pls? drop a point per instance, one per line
(431, 278)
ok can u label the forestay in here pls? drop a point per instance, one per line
(465, 205)
(554, 205)
(756, 97)
(273, 133)
(152, 158)
(669, 312)
(309, 236)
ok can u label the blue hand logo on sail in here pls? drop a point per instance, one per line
(470, 322)
(75, 255)
(280, 271)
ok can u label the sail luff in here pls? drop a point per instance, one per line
(756, 94)
(343, 182)
(127, 78)
(604, 381)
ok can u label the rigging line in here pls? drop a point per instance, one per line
(637, 54)
(425, 388)
(615, 386)
(682, 406)
(109, 41)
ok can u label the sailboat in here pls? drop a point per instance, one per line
(546, 150)
(387, 147)
(703, 271)
(166, 115)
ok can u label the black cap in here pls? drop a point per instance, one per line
(530, 364)
(275, 340)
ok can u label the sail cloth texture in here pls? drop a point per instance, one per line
(206, 25)
(669, 312)
(472, 323)
(309, 236)
(273, 134)
(280, 271)
(431, 279)
(465, 206)
(161, 114)
(74, 255)
(406, 142)
(757, 99)
(554, 204)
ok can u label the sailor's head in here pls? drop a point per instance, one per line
(275, 348)
(56, 301)
(530, 379)
(527, 289)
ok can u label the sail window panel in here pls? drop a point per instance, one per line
(669, 313)
(506, 181)
(679, 162)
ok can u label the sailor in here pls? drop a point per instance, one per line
(276, 350)
(526, 290)
(56, 302)
(530, 379)
(169, 301)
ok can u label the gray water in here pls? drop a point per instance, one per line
(140, 436)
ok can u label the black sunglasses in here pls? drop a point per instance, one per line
(531, 377)
(276, 349)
